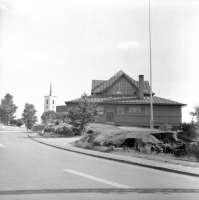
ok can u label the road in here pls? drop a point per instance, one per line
(30, 170)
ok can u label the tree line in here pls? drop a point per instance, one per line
(8, 110)
(84, 113)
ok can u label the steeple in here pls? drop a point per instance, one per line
(50, 89)
(50, 101)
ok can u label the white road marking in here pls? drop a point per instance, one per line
(97, 179)
(1, 145)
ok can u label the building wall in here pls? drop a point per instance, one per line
(63, 108)
(162, 114)
(49, 103)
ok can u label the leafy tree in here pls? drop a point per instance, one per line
(29, 115)
(195, 114)
(7, 109)
(72, 115)
(16, 122)
(48, 117)
(188, 126)
(61, 116)
(86, 112)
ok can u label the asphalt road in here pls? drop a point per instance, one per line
(30, 170)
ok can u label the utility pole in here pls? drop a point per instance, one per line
(151, 120)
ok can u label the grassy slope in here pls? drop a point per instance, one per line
(11, 128)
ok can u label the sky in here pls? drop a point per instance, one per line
(71, 42)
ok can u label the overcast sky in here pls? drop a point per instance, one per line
(71, 42)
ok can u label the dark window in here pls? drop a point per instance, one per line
(46, 106)
(46, 101)
(53, 102)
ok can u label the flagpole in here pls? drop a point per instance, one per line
(151, 120)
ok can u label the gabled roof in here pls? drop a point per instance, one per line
(128, 99)
(96, 84)
(100, 86)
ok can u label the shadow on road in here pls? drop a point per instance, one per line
(103, 191)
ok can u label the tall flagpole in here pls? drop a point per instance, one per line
(151, 120)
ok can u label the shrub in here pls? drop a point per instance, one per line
(84, 145)
(188, 126)
(64, 131)
(48, 129)
(166, 127)
(193, 150)
(57, 123)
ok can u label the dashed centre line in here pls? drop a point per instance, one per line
(97, 179)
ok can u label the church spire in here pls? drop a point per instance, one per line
(50, 89)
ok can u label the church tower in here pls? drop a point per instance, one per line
(50, 101)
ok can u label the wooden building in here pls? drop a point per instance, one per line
(122, 101)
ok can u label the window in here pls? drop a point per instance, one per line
(120, 110)
(46, 101)
(100, 110)
(122, 88)
(134, 110)
(53, 107)
(46, 107)
(53, 102)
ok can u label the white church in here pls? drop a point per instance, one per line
(50, 101)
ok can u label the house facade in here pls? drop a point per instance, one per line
(122, 101)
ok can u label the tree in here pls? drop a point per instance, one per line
(188, 126)
(29, 115)
(7, 109)
(16, 122)
(61, 116)
(86, 112)
(195, 114)
(72, 115)
(48, 117)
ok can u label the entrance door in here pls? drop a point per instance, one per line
(109, 116)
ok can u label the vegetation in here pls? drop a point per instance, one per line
(29, 115)
(188, 126)
(166, 127)
(85, 112)
(62, 129)
(51, 117)
(16, 122)
(48, 117)
(61, 117)
(195, 114)
(7, 109)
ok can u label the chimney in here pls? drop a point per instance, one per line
(141, 86)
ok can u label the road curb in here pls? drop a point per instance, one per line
(119, 159)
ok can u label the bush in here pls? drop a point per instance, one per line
(193, 150)
(188, 126)
(84, 145)
(48, 129)
(57, 123)
(64, 131)
(166, 127)
(16, 122)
